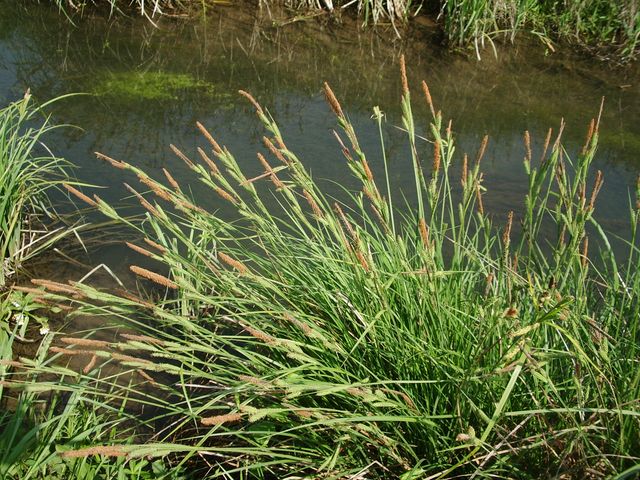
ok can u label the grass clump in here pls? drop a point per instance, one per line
(308, 338)
(28, 170)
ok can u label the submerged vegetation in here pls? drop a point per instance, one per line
(304, 337)
(146, 85)
(609, 27)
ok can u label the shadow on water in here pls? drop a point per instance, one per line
(150, 85)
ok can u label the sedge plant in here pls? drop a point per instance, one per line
(303, 337)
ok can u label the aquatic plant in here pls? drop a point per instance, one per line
(148, 85)
(304, 337)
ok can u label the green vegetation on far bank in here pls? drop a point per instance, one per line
(308, 338)
(610, 28)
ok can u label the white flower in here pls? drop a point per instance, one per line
(44, 330)
(15, 304)
(20, 318)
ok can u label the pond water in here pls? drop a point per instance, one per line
(150, 85)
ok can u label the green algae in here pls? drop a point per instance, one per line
(150, 85)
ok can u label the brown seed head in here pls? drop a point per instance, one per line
(482, 149)
(479, 199)
(596, 189)
(209, 137)
(253, 101)
(54, 286)
(79, 194)
(181, 155)
(427, 96)
(142, 338)
(313, 204)
(556, 144)
(140, 250)
(66, 351)
(106, 450)
(403, 76)
(465, 168)
(363, 261)
(215, 171)
(89, 366)
(155, 245)
(128, 358)
(260, 335)
(171, 180)
(506, 235)
(301, 325)
(154, 277)
(274, 178)
(590, 132)
(85, 342)
(146, 376)
(221, 419)
(585, 251)
(333, 101)
(155, 187)
(115, 163)
(545, 147)
(272, 148)
(224, 194)
(424, 233)
(153, 210)
(345, 221)
(239, 266)
(436, 157)
(188, 206)
(134, 299)
(367, 170)
(527, 146)
(258, 382)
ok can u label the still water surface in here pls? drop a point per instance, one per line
(150, 85)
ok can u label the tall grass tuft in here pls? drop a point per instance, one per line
(369, 339)
(28, 169)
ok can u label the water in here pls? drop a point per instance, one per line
(190, 69)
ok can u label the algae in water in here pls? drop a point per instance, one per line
(149, 85)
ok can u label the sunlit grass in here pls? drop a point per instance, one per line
(28, 170)
(371, 339)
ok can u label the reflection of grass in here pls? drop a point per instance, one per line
(149, 85)
(622, 140)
